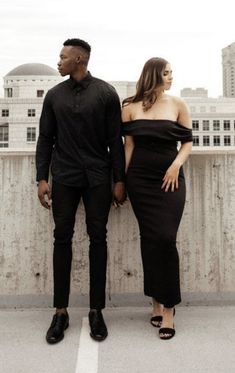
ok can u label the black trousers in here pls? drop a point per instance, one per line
(97, 202)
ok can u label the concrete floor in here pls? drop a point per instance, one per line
(204, 342)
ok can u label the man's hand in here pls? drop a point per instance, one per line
(119, 194)
(44, 194)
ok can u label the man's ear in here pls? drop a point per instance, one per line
(78, 59)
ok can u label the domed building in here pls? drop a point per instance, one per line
(30, 80)
(24, 89)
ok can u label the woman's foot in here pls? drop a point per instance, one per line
(156, 319)
(167, 330)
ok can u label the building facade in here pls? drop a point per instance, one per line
(228, 63)
(124, 88)
(213, 119)
(20, 109)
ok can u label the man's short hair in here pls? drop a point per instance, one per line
(78, 43)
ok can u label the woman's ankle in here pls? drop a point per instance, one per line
(157, 307)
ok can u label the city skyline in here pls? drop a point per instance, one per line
(122, 37)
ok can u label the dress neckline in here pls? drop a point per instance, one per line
(150, 119)
(155, 120)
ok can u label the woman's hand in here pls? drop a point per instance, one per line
(170, 180)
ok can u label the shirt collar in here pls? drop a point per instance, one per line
(81, 83)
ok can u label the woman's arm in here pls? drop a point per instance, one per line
(128, 141)
(170, 180)
(129, 147)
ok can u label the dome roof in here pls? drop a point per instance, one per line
(33, 69)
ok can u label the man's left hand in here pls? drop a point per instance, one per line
(119, 194)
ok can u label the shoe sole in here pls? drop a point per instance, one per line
(52, 342)
(98, 339)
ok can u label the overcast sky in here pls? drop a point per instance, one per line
(123, 35)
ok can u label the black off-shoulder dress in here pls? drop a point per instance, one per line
(158, 212)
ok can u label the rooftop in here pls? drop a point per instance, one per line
(33, 69)
(204, 342)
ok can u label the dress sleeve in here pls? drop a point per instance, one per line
(161, 129)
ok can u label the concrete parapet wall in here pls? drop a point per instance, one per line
(206, 239)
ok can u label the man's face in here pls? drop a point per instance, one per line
(68, 63)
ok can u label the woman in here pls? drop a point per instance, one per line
(154, 123)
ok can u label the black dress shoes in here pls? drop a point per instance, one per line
(98, 328)
(60, 323)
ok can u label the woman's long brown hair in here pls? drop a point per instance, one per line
(149, 80)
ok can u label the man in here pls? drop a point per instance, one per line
(80, 137)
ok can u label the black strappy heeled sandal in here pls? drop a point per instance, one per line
(157, 320)
(169, 331)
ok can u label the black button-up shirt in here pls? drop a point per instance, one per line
(80, 134)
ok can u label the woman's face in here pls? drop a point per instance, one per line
(167, 77)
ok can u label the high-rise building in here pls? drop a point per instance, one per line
(228, 62)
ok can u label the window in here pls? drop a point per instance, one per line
(192, 109)
(202, 109)
(216, 140)
(195, 124)
(196, 140)
(206, 125)
(4, 136)
(8, 92)
(31, 134)
(206, 140)
(31, 112)
(213, 109)
(216, 125)
(226, 125)
(5, 113)
(227, 141)
(40, 93)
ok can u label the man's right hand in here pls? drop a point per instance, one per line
(44, 194)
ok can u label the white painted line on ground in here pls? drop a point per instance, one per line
(87, 360)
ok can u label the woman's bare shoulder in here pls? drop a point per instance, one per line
(183, 112)
(128, 111)
(178, 100)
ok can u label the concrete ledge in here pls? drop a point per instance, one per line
(116, 300)
(206, 239)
